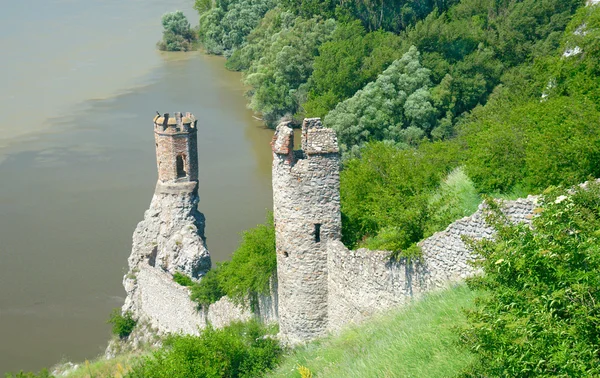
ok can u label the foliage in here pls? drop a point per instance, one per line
(42, 374)
(419, 340)
(182, 279)
(252, 265)
(346, 63)
(247, 274)
(390, 15)
(238, 350)
(278, 78)
(122, 323)
(177, 34)
(577, 76)
(455, 198)
(396, 107)
(540, 315)
(386, 194)
(534, 145)
(224, 27)
(208, 290)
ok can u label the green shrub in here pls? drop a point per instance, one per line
(238, 350)
(208, 290)
(182, 279)
(540, 312)
(252, 265)
(177, 34)
(385, 195)
(42, 374)
(122, 324)
(535, 145)
(247, 274)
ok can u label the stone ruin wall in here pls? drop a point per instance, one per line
(306, 208)
(363, 282)
(167, 308)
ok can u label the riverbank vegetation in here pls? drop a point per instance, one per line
(177, 33)
(419, 90)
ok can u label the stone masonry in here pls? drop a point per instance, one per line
(362, 282)
(306, 208)
(171, 238)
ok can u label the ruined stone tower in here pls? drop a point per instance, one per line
(171, 238)
(176, 151)
(306, 207)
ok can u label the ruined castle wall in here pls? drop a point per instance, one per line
(166, 306)
(364, 282)
(306, 208)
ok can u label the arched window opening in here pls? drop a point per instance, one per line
(181, 166)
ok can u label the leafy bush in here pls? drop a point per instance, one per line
(177, 34)
(385, 195)
(252, 265)
(239, 350)
(535, 145)
(540, 313)
(182, 279)
(247, 274)
(122, 324)
(208, 290)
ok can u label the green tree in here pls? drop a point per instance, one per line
(278, 79)
(345, 64)
(396, 107)
(177, 34)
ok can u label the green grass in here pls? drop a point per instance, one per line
(418, 341)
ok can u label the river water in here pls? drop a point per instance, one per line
(81, 82)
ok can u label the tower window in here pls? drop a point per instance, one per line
(317, 232)
(181, 166)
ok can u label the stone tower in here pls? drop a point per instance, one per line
(170, 239)
(306, 207)
(176, 150)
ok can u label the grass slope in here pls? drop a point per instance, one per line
(418, 341)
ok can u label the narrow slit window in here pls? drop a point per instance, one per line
(181, 166)
(317, 232)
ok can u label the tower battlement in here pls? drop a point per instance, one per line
(306, 209)
(176, 152)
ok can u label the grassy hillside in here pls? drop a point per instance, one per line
(418, 341)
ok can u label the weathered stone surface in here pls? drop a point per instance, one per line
(306, 207)
(363, 282)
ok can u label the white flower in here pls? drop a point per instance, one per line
(559, 199)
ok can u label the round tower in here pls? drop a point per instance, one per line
(306, 209)
(176, 149)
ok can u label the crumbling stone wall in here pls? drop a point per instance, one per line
(363, 282)
(306, 208)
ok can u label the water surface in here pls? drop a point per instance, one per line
(78, 169)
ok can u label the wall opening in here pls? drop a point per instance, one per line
(285, 254)
(317, 232)
(181, 166)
